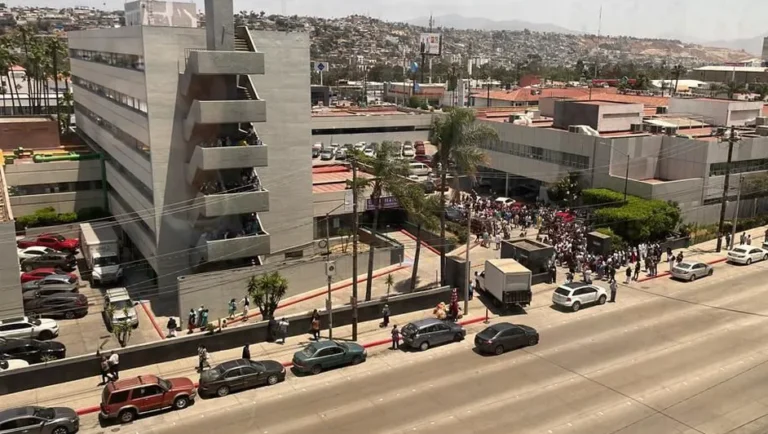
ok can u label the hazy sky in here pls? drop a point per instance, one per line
(695, 20)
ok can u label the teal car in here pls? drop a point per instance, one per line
(318, 356)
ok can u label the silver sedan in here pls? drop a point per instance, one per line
(691, 270)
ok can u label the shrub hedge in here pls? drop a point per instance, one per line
(49, 217)
(634, 221)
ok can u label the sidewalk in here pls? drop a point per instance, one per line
(86, 393)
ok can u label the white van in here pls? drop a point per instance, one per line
(419, 169)
(119, 308)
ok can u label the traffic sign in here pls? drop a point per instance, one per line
(321, 66)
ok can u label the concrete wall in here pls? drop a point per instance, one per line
(53, 172)
(718, 111)
(619, 117)
(10, 289)
(76, 368)
(116, 40)
(682, 158)
(419, 122)
(124, 80)
(30, 135)
(61, 202)
(287, 131)
(569, 113)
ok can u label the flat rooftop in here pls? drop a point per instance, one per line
(14, 119)
(331, 178)
(356, 111)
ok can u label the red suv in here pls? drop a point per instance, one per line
(126, 399)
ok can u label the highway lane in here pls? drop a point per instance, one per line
(659, 363)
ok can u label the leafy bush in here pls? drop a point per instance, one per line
(601, 196)
(616, 241)
(459, 230)
(636, 220)
(49, 217)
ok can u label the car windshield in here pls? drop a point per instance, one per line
(309, 350)
(165, 384)
(212, 374)
(44, 413)
(409, 329)
(684, 266)
(740, 250)
(563, 291)
(36, 322)
(122, 304)
(105, 261)
(58, 237)
(488, 333)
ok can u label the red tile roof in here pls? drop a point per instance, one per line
(609, 94)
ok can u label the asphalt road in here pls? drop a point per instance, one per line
(669, 357)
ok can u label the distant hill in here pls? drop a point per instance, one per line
(750, 45)
(470, 23)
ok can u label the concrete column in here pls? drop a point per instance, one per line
(220, 25)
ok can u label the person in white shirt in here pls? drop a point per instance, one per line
(114, 365)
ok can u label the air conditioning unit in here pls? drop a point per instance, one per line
(656, 129)
(330, 268)
(762, 130)
(721, 131)
(637, 128)
(574, 129)
(670, 131)
(761, 120)
(661, 110)
(514, 117)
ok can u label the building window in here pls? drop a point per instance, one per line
(129, 61)
(119, 98)
(743, 166)
(59, 187)
(116, 132)
(535, 153)
(133, 217)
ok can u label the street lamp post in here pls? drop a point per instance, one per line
(329, 268)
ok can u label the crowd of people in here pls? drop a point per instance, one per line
(248, 181)
(250, 138)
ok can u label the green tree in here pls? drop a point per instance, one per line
(422, 211)
(266, 291)
(9, 59)
(457, 136)
(122, 329)
(732, 88)
(389, 175)
(567, 191)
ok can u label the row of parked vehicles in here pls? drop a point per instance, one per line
(341, 152)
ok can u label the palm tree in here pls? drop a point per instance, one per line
(266, 291)
(715, 88)
(457, 135)
(422, 211)
(58, 50)
(677, 71)
(762, 90)
(8, 60)
(732, 88)
(388, 177)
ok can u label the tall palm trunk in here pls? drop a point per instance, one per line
(374, 227)
(443, 180)
(13, 78)
(415, 271)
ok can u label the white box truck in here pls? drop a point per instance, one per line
(508, 282)
(101, 251)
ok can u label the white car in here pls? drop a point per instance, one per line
(33, 252)
(408, 151)
(25, 327)
(691, 270)
(369, 152)
(359, 146)
(9, 364)
(747, 254)
(504, 200)
(574, 295)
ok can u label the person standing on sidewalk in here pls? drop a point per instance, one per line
(105, 377)
(385, 315)
(637, 271)
(316, 328)
(395, 337)
(629, 275)
(283, 326)
(114, 365)
(614, 286)
(246, 352)
(246, 304)
(171, 327)
(191, 320)
(202, 358)
(232, 308)
(727, 241)
(749, 239)
(743, 238)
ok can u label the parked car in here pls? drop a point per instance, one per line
(124, 400)
(419, 169)
(426, 159)
(341, 154)
(504, 336)
(118, 308)
(574, 295)
(504, 200)
(454, 214)
(428, 187)
(64, 261)
(426, 333)
(39, 420)
(369, 152)
(31, 350)
(39, 273)
(52, 282)
(25, 327)
(69, 305)
(691, 270)
(11, 364)
(326, 154)
(408, 151)
(54, 241)
(31, 252)
(747, 255)
(359, 146)
(238, 375)
(321, 355)
(315, 152)
(420, 149)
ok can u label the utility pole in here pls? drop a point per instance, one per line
(732, 139)
(466, 262)
(597, 54)
(329, 303)
(736, 212)
(354, 248)
(489, 92)
(626, 180)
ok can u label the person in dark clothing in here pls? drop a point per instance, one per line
(246, 352)
(385, 315)
(271, 330)
(395, 337)
(637, 271)
(171, 327)
(552, 274)
(629, 275)
(614, 287)
(105, 376)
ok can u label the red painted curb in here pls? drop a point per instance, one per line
(89, 410)
(425, 245)
(153, 320)
(666, 273)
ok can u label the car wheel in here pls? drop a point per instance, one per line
(180, 403)
(765, 258)
(69, 314)
(533, 340)
(48, 358)
(45, 335)
(272, 380)
(222, 391)
(749, 261)
(424, 346)
(457, 337)
(601, 300)
(60, 430)
(317, 369)
(709, 273)
(499, 350)
(28, 268)
(127, 416)
(576, 306)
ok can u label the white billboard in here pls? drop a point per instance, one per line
(431, 44)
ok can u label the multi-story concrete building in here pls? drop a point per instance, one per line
(355, 125)
(11, 304)
(204, 133)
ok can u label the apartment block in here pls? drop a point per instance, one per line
(203, 133)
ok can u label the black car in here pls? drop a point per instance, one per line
(31, 350)
(64, 261)
(49, 303)
(240, 374)
(505, 336)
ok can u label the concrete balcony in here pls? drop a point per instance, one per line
(235, 248)
(221, 63)
(224, 112)
(226, 157)
(223, 204)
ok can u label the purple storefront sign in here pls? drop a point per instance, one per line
(384, 203)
